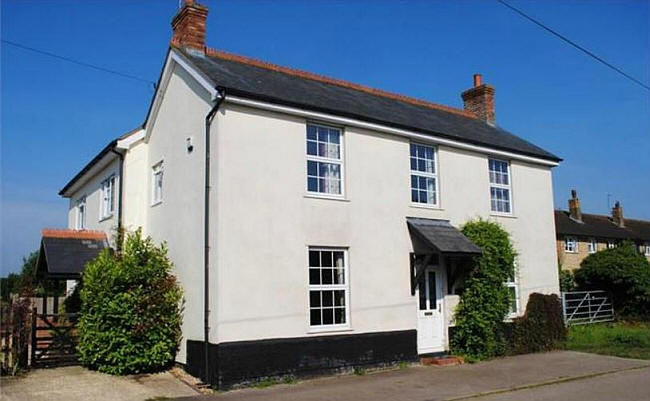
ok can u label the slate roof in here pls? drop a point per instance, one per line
(245, 77)
(600, 226)
(64, 253)
(441, 236)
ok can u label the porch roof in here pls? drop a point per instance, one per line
(64, 253)
(441, 236)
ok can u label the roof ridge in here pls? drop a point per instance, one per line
(77, 234)
(210, 52)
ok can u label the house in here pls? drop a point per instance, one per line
(581, 234)
(313, 222)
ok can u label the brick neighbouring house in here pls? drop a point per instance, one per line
(580, 234)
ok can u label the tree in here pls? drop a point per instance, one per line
(27, 283)
(622, 271)
(484, 301)
(131, 309)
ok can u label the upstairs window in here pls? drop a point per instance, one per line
(500, 186)
(593, 245)
(157, 184)
(324, 160)
(107, 206)
(328, 288)
(570, 244)
(611, 244)
(424, 179)
(81, 214)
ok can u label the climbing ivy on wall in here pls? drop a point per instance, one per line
(484, 302)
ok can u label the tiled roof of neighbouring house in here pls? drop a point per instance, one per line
(245, 77)
(64, 253)
(595, 225)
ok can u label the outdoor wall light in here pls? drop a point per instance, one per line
(188, 143)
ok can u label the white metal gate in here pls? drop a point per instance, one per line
(584, 307)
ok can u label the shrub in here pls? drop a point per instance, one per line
(622, 271)
(567, 282)
(131, 309)
(542, 326)
(484, 301)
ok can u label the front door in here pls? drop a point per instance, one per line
(430, 314)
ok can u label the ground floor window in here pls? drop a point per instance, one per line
(513, 293)
(328, 288)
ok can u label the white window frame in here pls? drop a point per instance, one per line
(501, 186)
(81, 217)
(329, 287)
(157, 170)
(568, 240)
(592, 246)
(611, 244)
(514, 283)
(321, 159)
(425, 174)
(107, 198)
(647, 248)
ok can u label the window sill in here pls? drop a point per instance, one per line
(506, 215)
(327, 197)
(426, 206)
(110, 216)
(156, 203)
(325, 330)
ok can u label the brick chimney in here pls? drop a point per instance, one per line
(574, 207)
(480, 100)
(617, 214)
(189, 26)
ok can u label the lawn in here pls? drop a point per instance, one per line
(628, 340)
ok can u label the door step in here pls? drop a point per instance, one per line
(448, 360)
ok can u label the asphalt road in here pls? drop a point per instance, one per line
(564, 375)
(628, 385)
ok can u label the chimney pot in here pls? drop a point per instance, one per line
(617, 214)
(574, 207)
(479, 100)
(478, 80)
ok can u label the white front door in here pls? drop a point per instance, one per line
(431, 326)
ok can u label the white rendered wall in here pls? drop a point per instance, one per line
(92, 191)
(266, 222)
(178, 219)
(136, 187)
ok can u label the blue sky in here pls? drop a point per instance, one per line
(56, 116)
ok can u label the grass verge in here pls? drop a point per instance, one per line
(624, 339)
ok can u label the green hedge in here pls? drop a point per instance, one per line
(131, 309)
(542, 326)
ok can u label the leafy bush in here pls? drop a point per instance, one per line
(542, 326)
(622, 271)
(484, 301)
(567, 282)
(131, 309)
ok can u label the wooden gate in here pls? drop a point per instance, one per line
(54, 339)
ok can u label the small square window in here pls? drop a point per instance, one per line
(570, 245)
